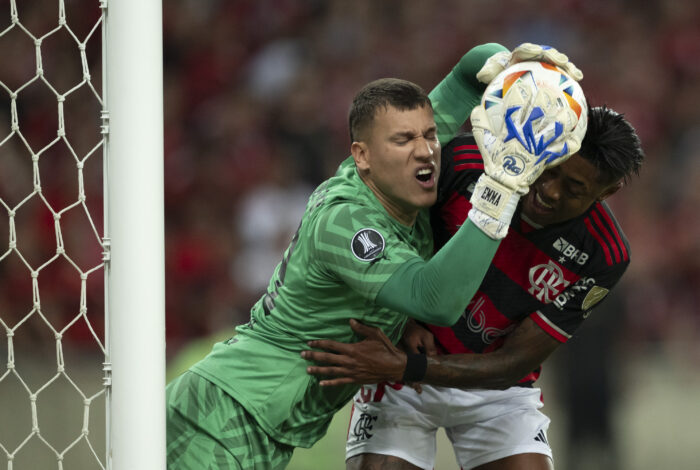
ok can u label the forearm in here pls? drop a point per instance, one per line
(524, 350)
(459, 92)
(438, 291)
(489, 371)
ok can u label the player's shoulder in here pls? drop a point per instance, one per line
(461, 165)
(347, 217)
(603, 237)
(462, 153)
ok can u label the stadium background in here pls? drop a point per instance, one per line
(256, 96)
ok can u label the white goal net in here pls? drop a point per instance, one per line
(57, 394)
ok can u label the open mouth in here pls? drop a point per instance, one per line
(541, 203)
(538, 204)
(426, 176)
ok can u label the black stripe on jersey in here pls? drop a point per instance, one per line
(504, 294)
(507, 296)
(467, 157)
(466, 337)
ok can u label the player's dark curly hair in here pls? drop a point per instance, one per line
(612, 144)
(401, 94)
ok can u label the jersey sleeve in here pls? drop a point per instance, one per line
(354, 245)
(605, 256)
(459, 92)
(562, 317)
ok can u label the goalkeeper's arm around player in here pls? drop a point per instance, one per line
(438, 290)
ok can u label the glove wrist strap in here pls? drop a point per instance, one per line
(493, 206)
(492, 197)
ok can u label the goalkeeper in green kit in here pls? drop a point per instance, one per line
(363, 251)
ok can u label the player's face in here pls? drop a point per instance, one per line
(400, 160)
(565, 191)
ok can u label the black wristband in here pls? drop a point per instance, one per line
(416, 365)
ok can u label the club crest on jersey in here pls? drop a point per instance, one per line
(546, 281)
(367, 244)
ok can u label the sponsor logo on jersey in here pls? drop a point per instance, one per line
(546, 281)
(476, 322)
(595, 295)
(570, 251)
(513, 165)
(363, 426)
(580, 286)
(367, 244)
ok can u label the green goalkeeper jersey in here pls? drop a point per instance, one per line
(346, 249)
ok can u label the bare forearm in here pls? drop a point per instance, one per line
(523, 351)
(491, 371)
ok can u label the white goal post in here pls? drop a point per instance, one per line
(135, 230)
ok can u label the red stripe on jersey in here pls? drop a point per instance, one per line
(467, 156)
(483, 319)
(460, 148)
(599, 239)
(446, 337)
(530, 378)
(469, 166)
(532, 269)
(548, 327)
(613, 229)
(454, 212)
(608, 237)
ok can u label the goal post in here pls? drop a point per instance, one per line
(134, 232)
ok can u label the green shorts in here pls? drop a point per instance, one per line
(208, 429)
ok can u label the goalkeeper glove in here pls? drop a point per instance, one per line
(523, 53)
(531, 140)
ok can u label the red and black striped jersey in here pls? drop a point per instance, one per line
(554, 274)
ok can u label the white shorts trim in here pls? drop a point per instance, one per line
(483, 425)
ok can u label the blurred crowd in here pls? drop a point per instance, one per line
(256, 100)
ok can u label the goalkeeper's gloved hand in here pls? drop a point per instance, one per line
(523, 53)
(531, 139)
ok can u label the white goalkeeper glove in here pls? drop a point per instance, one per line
(523, 53)
(531, 139)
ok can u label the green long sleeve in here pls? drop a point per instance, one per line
(456, 95)
(438, 291)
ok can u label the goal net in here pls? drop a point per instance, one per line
(76, 179)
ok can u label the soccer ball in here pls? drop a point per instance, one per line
(539, 84)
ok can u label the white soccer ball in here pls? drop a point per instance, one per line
(543, 83)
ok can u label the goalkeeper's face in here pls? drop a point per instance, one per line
(566, 191)
(399, 159)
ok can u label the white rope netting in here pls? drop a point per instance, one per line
(52, 252)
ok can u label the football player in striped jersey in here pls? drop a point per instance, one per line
(563, 253)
